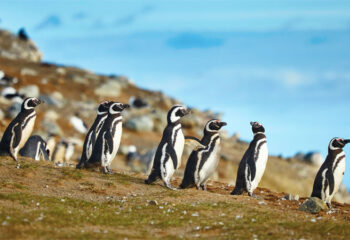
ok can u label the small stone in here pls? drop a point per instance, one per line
(28, 72)
(30, 91)
(196, 214)
(313, 205)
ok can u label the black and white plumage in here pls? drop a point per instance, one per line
(253, 164)
(331, 172)
(170, 148)
(11, 93)
(203, 161)
(108, 140)
(63, 152)
(35, 148)
(20, 129)
(78, 123)
(92, 134)
(6, 80)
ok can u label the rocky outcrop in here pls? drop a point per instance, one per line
(11, 46)
(313, 205)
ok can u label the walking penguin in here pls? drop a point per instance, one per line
(108, 140)
(19, 130)
(331, 172)
(203, 161)
(252, 166)
(92, 134)
(170, 148)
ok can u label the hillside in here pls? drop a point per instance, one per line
(41, 201)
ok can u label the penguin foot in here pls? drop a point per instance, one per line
(253, 195)
(110, 171)
(18, 166)
(104, 170)
(170, 187)
(204, 188)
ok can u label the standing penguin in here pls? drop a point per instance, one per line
(35, 148)
(108, 140)
(252, 166)
(170, 148)
(203, 161)
(330, 175)
(92, 134)
(19, 130)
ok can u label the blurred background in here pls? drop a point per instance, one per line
(285, 64)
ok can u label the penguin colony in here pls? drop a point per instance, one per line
(103, 139)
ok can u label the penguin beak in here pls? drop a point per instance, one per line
(185, 112)
(126, 106)
(346, 141)
(221, 124)
(38, 101)
(251, 123)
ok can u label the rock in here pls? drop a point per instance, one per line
(13, 110)
(142, 124)
(153, 202)
(51, 127)
(123, 150)
(30, 91)
(110, 88)
(56, 99)
(290, 197)
(160, 120)
(314, 158)
(78, 79)
(61, 71)
(313, 205)
(28, 72)
(190, 121)
(122, 80)
(13, 47)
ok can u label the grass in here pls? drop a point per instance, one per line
(118, 209)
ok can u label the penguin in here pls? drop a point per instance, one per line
(35, 148)
(78, 123)
(92, 134)
(20, 128)
(11, 94)
(22, 34)
(108, 140)
(6, 80)
(170, 148)
(51, 144)
(203, 161)
(331, 172)
(253, 164)
(63, 152)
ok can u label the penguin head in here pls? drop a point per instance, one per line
(30, 103)
(214, 126)
(257, 127)
(337, 143)
(117, 107)
(176, 113)
(103, 107)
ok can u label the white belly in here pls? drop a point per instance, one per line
(338, 177)
(179, 146)
(260, 165)
(27, 132)
(209, 166)
(116, 140)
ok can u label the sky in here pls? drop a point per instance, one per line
(283, 63)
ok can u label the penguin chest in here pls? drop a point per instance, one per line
(261, 156)
(179, 141)
(27, 129)
(338, 171)
(116, 138)
(209, 162)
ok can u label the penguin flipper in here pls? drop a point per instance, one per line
(109, 142)
(330, 179)
(252, 167)
(173, 156)
(16, 135)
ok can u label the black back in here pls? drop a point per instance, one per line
(30, 148)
